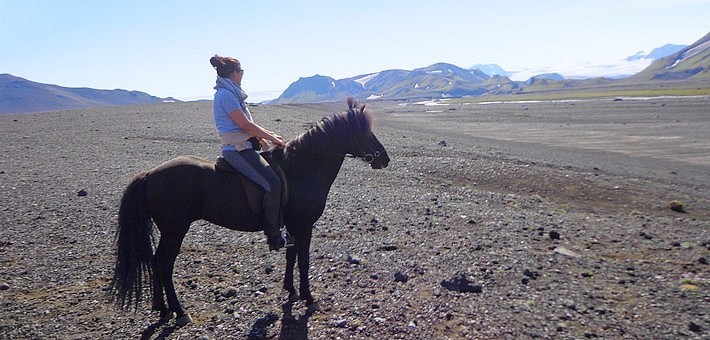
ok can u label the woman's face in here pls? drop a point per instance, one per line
(237, 75)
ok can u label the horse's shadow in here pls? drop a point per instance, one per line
(292, 327)
(164, 333)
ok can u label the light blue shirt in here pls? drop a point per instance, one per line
(225, 102)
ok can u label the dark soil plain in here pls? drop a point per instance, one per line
(494, 220)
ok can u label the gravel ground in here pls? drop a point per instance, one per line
(523, 220)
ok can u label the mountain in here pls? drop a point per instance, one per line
(320, 88)
(690, 63)
(438, 80)
(19, 95)
(546, 76)
(657, 53)
(491, 70)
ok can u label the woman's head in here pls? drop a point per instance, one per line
(225, 65)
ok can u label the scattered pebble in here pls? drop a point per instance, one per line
(401, 277)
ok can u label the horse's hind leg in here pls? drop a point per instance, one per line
(158, 300)
(167, 252)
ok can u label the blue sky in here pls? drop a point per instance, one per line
(163, 48)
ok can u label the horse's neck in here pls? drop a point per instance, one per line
(325, 167)
(314, 166)
(314, 158)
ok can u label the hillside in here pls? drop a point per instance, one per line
(19, 95)
(690, 63)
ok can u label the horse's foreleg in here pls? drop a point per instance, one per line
(166, 254)
(288, 276)
(303, 247)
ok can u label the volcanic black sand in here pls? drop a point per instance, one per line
(493, 220)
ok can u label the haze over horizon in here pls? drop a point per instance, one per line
(164, 49)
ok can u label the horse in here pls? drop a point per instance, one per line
(187, 188)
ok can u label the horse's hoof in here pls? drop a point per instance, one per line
(166, 315)
(186, 319)
(293, 298)
(313, 307)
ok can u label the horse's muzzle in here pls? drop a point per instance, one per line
(380, 161)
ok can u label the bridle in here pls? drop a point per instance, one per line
(367, 157)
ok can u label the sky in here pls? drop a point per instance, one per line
(163, 47)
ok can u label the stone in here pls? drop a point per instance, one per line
(340, 323)
(401, 277)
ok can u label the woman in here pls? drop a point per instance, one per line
(236, 126)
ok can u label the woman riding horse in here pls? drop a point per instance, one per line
(238, 131)
(187, 188)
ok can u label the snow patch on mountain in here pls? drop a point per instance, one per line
(363, 81)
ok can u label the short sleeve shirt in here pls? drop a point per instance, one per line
(225, 102)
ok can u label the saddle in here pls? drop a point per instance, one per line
(253, 191)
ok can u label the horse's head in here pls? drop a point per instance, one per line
(364, 144)
(347, 133)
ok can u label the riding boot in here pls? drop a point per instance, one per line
(273, 224)
(273, 236)
(277, 237)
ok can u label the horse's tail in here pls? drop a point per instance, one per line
(134, 246)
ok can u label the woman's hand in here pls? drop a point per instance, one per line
(278, 141)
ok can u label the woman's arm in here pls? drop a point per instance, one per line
(240, 118)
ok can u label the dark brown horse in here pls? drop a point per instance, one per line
(185, 189)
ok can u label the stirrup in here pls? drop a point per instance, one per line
(286, 238)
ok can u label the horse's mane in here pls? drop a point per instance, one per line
(333, 131)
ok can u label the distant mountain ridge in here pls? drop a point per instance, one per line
(19, 95)
(657, 53)
(441, 80)
(672, 63)
(491, 70)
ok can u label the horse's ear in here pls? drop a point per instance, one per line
(351, 102)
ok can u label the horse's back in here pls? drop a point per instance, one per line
(185, 161)
(174, 190)
(187, 188)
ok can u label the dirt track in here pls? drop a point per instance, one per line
(557, 211)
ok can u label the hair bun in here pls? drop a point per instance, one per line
(224, 65)
(216, 61)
